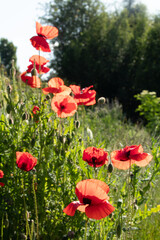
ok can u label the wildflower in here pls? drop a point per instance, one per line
(1, 174)
(63, 105)
(46, 32)
(93, 199)
(35, 109)
(124, 158)
(33, 81)
(84, 96)
(95, 157)
(2, 184)
(39, 62)
(25, 161)
(55, 86)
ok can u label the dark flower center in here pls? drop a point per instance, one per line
(87, 201)
(128, 154)
(94, 159)
(62, 107)
(23, 166)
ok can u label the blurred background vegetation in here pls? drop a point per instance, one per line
(117, 52)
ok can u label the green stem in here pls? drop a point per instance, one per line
(25, 210)
(2, 228)
(35, 205)
(85, 237)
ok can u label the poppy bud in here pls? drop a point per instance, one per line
(77, 124)
(34, 72)
(131, 175)
(119, 230)
(8, 108)
(33, 142)
(24, 116)
(119, 202)
(9, 89)
(68, 138)
(76, 115)
(11, 121)
(110, 167)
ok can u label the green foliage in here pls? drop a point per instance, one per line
(100, 48)
(7, 54)
(149, 108)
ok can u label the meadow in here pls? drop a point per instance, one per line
(47, 140)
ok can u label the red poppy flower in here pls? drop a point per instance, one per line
(124, 158)
(2, 184)
(1, 174)
(84, 96)
(33, 81)
(46, 32)
(63, 105)
(95, 157)
(39, 62)
(35, 109)
(55, 86)
(40, 69)
(25, 161)
(93, 199)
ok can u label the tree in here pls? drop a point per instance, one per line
(7, 54)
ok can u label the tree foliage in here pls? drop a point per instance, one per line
(116, 52)
(7, 54)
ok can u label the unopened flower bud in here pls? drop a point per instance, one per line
(119, 230)
(77, 124)
(110, 167)
(34, 72)
(11, 121)
(24, 116)
(119, 202)
(76, 115)
(8, 108)
(9, 89)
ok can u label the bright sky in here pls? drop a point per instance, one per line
(17, 23)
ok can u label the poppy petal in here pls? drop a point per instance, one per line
(48, 32)
(123, 165)
(90, 190)
(100, 184)
(40, 44)
(134, 150)
(55, 82)
(99, 211)
(145, 161)
(39, 60)
(71, 208)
